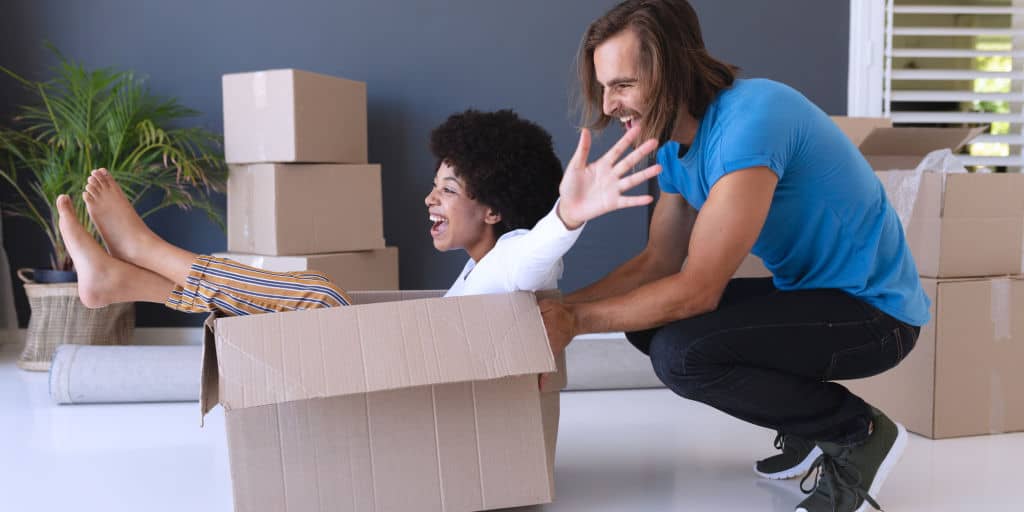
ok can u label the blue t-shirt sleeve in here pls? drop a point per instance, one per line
(761, 134)
(663, 156)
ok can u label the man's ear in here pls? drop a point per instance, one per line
(492, 217)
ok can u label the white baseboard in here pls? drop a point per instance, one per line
(595, 361)
(607, 361)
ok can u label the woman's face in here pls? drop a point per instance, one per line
(456, 220)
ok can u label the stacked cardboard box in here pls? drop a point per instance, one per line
(965, 233)
(301, 195)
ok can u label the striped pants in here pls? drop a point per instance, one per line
(229, 288)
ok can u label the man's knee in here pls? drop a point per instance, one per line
(642, 339)
(676, 364)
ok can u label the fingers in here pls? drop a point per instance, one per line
(637, 178)
(579, 158)
(635, 157)
(621, 146)
(631, 201)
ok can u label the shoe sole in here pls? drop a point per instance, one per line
(889, 462)
(794, 471)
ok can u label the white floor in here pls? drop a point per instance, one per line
(618, 451)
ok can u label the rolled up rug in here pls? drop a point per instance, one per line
(111, 374)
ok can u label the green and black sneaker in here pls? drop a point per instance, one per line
(849, 477)
(797, 456)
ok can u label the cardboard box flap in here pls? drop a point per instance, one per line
(283, 357)
(858, 128)
(208, 396)
(553, 382)
(918, 142)
(375, 296)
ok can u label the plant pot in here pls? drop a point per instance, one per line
(47, 276)
(59, 317)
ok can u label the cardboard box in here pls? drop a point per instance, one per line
(287, 115)
(295, 209)
(363, 270)
(402, 403)
(960, 225)
(964, 375)
(966, 225)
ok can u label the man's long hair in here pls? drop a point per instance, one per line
(675, 68)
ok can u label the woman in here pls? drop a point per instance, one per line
(497, 176)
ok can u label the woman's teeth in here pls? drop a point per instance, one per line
(438, 224)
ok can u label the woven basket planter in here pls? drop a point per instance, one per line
(59, 317)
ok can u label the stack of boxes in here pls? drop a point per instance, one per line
(965, 233)
(301, 195)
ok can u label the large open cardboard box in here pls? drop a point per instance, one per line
(404, 402)
(964, 375)
(961, 225)
(363, 270)
(299, 209)
(286, 115)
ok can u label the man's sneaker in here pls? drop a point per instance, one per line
(797, 456)
(849, 477)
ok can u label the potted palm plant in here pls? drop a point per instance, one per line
(77, 121)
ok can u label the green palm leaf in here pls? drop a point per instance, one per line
(84, 119)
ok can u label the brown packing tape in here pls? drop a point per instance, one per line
(1001, 300)
(1001, 327)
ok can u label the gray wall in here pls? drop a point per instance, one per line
(421, 61)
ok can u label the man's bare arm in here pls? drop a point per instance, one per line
(726, 229)
(670, 230)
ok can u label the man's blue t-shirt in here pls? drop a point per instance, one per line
(829, 224)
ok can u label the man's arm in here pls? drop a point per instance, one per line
(670, 230)
(723, 234)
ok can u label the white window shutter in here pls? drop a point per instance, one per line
(958, 62)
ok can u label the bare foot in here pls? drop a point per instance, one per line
(103, 279)
(124, 232)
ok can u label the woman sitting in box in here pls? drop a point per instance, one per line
(497, 177)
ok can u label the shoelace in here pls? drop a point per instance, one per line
(780, 441)
(838, 475)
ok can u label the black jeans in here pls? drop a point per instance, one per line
(766, 357)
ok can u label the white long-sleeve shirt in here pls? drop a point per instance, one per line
(521, 260)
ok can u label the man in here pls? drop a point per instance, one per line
(752, 166)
